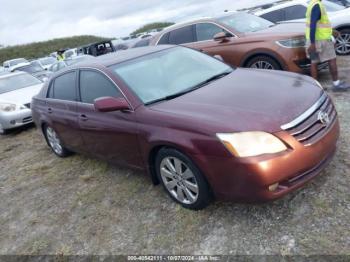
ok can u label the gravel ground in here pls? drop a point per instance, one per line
(80, 205)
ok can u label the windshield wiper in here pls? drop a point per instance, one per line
(188, 90)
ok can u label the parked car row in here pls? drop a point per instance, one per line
(195, 124)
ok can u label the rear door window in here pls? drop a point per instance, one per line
(64, 87)
(164, 40)
(182, 35)
(95, 85)
(275, 16)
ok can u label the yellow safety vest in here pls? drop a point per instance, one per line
(60, 57)
(324, 27)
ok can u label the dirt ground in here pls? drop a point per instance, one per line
(80, 205)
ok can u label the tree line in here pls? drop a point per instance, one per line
(41, 49)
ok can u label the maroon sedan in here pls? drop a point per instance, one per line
(198, 126)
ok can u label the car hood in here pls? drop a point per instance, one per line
(246, 100)
(21, 96)
(280, 30)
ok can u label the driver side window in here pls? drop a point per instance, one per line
(207, 31)
(95, 85)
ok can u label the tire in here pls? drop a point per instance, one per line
(2, 131)
(342, 46)
(54, 142)
(182, 180)
(263, 62)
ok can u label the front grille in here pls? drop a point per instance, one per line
(314, 126)
(27, 120)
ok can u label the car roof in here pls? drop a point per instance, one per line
(124, 55)
(14, 59)
(261, 9)
(12, 74)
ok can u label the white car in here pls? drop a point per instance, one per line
(16, 92)
(294, 11)
(46, 62)
(9, 65)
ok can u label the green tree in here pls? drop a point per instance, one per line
(148, 27)
(40, 49)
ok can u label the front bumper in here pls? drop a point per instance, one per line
(10, 120)
(248, 180)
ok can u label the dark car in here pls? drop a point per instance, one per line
(196, 125)
(97, 49)
(35, 69)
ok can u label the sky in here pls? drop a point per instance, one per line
(26, 21)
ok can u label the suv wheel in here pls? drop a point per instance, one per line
(342, 46)
(263, 62)
(182, 180)
(54, 142)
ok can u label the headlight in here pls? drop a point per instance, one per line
(9, 107)
(248, 144)
(293, 42)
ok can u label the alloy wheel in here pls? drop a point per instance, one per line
(179, 180)
(262, 65)
(54, 141)
(343, 44)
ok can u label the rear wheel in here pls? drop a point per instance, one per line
(263, 62)
(182, 180)
(54, 142)
(342, 46)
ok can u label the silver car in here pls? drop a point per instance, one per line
(16, 92)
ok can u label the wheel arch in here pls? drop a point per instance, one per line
(342, 27)
(269, 54)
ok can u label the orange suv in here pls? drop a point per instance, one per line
(244, 40)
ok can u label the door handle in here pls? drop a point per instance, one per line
(49, 110)
(83, 118)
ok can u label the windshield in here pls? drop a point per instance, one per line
(332, 7)
(169, 72)
(243, 22)
(18, 61)
(11, 83)
(32, 68)
(47, 61)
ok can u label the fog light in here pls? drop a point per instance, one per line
(13, 122)
(273, 187)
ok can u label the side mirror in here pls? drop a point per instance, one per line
(110, 104)
(222, 37)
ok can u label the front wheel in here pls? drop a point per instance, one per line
(54, 142)
(342, 46)
(2, 130)
(263, 62)
(182, 180)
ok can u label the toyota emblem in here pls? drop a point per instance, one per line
(323, 117)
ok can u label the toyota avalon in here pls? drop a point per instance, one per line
(199, 127)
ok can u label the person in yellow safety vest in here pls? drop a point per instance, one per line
(320, 45)
(60, 55)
